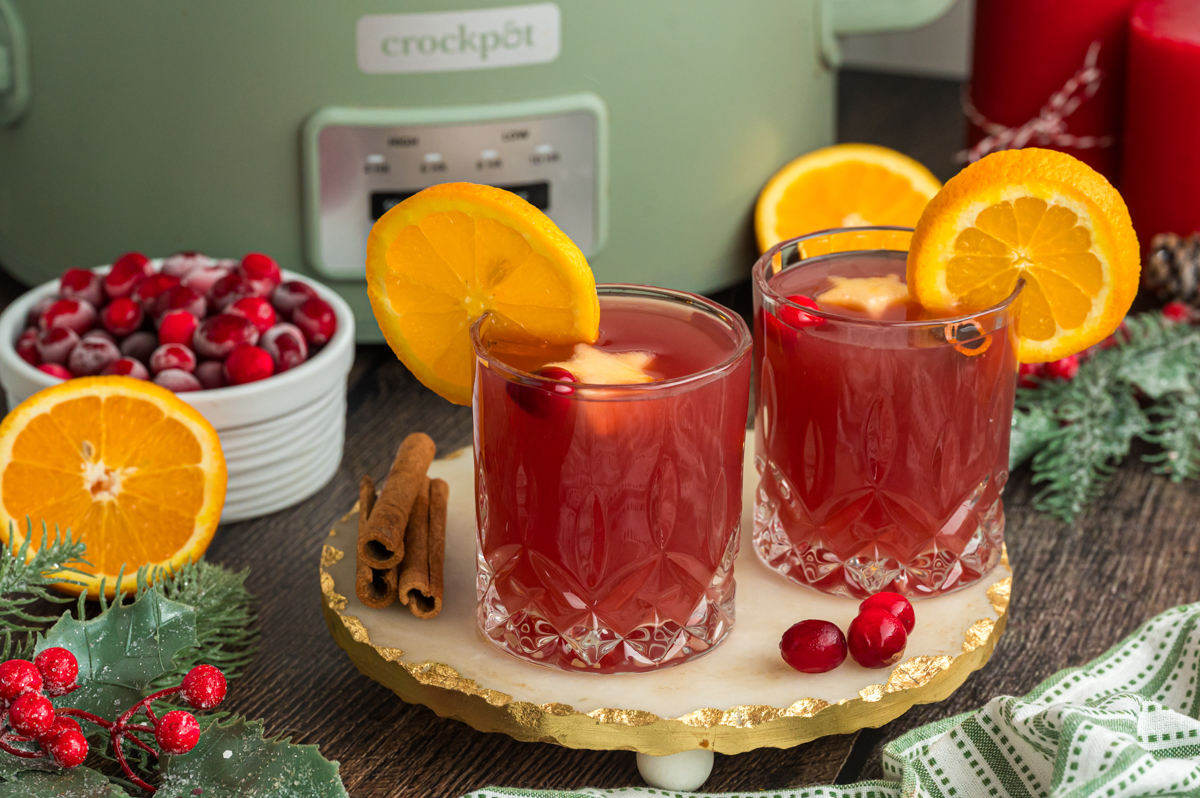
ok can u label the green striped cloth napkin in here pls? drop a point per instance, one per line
(1125, 725)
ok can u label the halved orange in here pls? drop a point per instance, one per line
(442, 258)
(123, 463)
(846, 185)
(1037, 215)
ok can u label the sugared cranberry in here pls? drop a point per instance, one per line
(54, 346)
(217, 335)
(1064, 369)
(262, 271)
(18, 676)
(182, 264)
(286, 345)
(58, 668)
(126, 367)
(172, 356)
(316, 320)
(123, 316)
(894, 603)
(140, 346)
(545, 400)
(204, 687)
(181, 297)
(211, 374)
(99, 332)
(177, 380)
(291, 295)
(92, 356)
(255, 308)
(26, 347)
(229, 289)
(33, 318)
(177, 327)
(81, 284)
(203, 278)
(876, 639)
(1178, 312)
(248, 363)
(1028, 374)
(126, 272)
(55, 370)
(148, 292)
(72, 314)
(794, 317)
(813, 646)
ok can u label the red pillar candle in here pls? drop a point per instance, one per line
(1160, 173)
(1033, 84)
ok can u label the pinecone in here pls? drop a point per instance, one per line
(1173, 268)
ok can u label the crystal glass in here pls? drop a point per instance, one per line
(881, 443)
(608, 515)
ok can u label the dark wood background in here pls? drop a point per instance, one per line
(1079, 587)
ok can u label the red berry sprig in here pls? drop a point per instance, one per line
(27, 716)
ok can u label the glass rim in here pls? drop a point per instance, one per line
(744, 341)
(762, 285)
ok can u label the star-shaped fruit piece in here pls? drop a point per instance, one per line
(599, 367)
(870, 295)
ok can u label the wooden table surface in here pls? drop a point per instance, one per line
(1079, 587)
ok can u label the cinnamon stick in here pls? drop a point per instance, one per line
(381, 542)
(375, 588)
(420, 586)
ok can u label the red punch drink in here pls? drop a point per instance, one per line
(609, 485)
(881, 431)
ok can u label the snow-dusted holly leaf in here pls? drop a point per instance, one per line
(233, 760)
(122, 650)
(78, 782)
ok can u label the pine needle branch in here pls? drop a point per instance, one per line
(25, 579)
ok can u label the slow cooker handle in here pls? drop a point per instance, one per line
(15, 85)
(871, 16)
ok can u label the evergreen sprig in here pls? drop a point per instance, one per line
(1146, 385)
(25, 579)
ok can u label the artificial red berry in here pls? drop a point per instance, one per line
(286, 345)
(794, 317)
(177, 327)
(54, 346)
(291, 295)
(55, 370)
(895, 604)
(173, 356)
(148, 292)
(177, 381)
(182, 297)
(26, 347)
(544, 400)
(67, 749)
(204, 687)
(140, 346)
(127, 367)
(229, 289)
(122, 317)
(81, 284)
(813, 646)
(876, 639)
(177, 732)
(248, 363)
(1178, 312)
(203, 278)
(126, 272)
(316, 320)
(211, 374)
(262, 271)
(16, 677)
(62, 723)
(59, 670)
(1027, 374)
(217, 335)
(255, 308)
(183, 263)
(92, 356)
(71, 314)
(1064, 369)
(31, 714)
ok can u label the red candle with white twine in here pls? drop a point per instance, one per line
(1048, 73)
(1160, 174)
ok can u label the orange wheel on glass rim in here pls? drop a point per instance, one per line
(125, 465)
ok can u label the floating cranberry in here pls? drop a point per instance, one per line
(203, 278)
(172, 356)
(316, 320)
(55, 370)
(286, 345)
(1178, 312)
(262, 271)
(148, 292)
(893, 603)
(813, 646)
(177, 732)
(59, 670)
(182, 297)
(177, 380)
(794, 317)
(26, 347)
(229, 289)
(1064, 369)
(204, 687)
(31, 714)
(72, 314)
(68, 749)
(54, 346)
(16, 677)
(255, 308)
(211, 374)
(182, 264)
(140, 346)
(123, 316)
(544, 400)
(1028, 374)
(217, 335)
(81, 284)
(177, 327)
(876, 639)
(126, 272)
(92, 356)
(248, 363)
(126, 367)
(34, 316)
(291, 295)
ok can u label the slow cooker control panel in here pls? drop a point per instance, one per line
(359, 163)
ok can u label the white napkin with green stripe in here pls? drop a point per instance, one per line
(1124, 725)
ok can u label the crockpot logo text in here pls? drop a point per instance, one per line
(443, 42)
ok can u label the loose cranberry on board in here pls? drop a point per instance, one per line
(813, 646)
(895, 604)
(876, 639)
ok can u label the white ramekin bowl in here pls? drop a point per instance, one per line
(282, 436)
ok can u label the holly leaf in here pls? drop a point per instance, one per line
(77, 782)
(11, 766)
(234, 760)
(122, 650)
